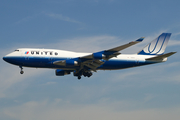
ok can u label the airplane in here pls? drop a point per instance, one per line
(84, 64)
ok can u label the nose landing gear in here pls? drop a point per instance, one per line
(21, 72)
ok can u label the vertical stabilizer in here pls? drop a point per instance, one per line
(157, 46)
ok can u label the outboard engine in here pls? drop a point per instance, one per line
(98, 56)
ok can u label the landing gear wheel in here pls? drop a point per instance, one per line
(79, 77)
(22, 72)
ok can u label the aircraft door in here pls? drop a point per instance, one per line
(51, 57)
(26, 55)
(137, 61)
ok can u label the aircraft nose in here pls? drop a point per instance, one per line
(5, 58)
(8, 59)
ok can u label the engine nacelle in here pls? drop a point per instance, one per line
(71, 63)
(98, 56)
(60, 72)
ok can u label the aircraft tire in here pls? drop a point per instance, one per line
(79, 77)
(21, 72)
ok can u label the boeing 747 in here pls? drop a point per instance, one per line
(84, 64)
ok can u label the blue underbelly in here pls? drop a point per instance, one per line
(47, 62)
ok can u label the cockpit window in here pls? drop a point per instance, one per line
(16, 50)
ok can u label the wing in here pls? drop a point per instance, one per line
(108, 54)
(95, 60)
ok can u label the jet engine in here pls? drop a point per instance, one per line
(98, 56)
(71, 63)
(60, 72)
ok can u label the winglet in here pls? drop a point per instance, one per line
(140, 39)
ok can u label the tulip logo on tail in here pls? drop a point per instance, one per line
(26, 52)
(157, 46)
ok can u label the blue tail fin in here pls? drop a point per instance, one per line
(157, 46)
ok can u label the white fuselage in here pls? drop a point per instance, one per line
(43, 58)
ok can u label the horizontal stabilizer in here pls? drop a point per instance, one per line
(161, 57)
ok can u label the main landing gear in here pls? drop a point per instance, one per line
(79, 77)
(84, 73)
(21, 72)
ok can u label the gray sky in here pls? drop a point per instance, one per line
(148, 92)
